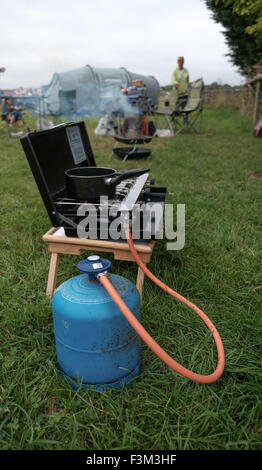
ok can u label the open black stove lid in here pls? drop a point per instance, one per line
(53, 151)
(56, 150)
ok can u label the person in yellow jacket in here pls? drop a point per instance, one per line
(180, 81)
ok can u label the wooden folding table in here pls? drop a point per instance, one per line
(59, 243)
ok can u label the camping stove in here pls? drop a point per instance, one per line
(51, 152)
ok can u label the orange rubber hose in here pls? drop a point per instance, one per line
(152, 344)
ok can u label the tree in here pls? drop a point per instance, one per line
(247, 8)
(244, 48)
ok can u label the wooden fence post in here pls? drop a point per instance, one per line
(256, 100)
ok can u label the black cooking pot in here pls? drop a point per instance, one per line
(91, 182)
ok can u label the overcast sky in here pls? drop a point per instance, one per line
(39, 38)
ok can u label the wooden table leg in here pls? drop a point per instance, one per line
(140, 280)
(51, 282)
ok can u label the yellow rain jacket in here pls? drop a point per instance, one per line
(181, 77)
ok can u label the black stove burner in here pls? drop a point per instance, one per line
(50, 153)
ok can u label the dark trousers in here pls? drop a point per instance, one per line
(181, 102)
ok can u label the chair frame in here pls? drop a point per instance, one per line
(190, 123)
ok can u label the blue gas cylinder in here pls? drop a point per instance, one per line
(95, 345)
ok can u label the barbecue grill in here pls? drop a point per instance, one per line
(51, 153)
(133, 128)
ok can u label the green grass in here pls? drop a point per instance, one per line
(218, 270)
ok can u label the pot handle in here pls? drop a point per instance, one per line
(127, 174)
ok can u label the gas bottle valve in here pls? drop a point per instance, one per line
(93, 265)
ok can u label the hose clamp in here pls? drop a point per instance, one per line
(101, 274)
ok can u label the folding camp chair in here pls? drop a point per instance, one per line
(188, 116)
(192, 111)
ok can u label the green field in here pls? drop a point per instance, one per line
(216, 175)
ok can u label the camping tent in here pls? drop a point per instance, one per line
(83, 91)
